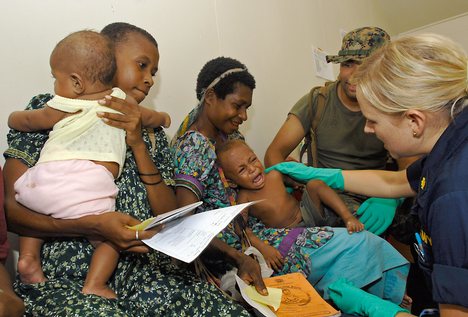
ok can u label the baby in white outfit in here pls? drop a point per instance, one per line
(82, 157)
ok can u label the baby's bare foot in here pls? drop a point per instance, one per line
(103, 291)
(30, 270)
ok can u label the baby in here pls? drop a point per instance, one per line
(75, 174)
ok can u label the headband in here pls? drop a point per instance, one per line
(218, 79)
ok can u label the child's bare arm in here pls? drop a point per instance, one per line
(353, 224)
(154, 119)
(327, 196)
(35, 120)
(272, 256)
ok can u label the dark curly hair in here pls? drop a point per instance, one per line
(226, 86)
(118, 31)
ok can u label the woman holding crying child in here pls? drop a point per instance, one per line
(324, 254)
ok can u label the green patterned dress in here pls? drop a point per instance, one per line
(146, 284)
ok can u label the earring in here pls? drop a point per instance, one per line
(414, 133)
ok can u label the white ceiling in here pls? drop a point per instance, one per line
(405, 15)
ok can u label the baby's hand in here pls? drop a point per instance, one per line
(353, 225)
(273, 257)
(167, 120)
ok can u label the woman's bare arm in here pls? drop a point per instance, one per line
(288, 137)
(378, 183)
(161, 196)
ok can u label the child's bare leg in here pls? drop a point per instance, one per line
(29, 262)
(103, 264)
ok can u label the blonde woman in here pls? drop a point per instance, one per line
(413, 93)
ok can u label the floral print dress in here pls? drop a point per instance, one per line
(146, 284)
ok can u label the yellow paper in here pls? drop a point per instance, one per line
(273, 298)
(142, 225)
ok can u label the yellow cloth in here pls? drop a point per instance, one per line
(84, 135)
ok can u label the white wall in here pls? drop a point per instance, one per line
(454, 28)
(272, 37)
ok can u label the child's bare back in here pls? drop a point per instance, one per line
(279, 209)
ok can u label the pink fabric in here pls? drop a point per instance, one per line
(3, 228)
(67, 189)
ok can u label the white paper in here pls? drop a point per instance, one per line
(263, 309)
(322, 68)
(187, 237)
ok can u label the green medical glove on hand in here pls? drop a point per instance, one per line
(353, 300)
(303, 173)
(377, 213)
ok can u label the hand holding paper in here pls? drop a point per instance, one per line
(166, 217)
(185, 238)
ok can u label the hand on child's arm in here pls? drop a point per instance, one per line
(353, 224)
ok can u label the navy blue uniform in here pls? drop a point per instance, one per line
(441, 180)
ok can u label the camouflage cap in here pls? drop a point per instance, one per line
(359, 44)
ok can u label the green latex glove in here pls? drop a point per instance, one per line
(303, 173)
(377, 213)
(353, 300)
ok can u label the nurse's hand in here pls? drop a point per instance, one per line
(377, 213)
